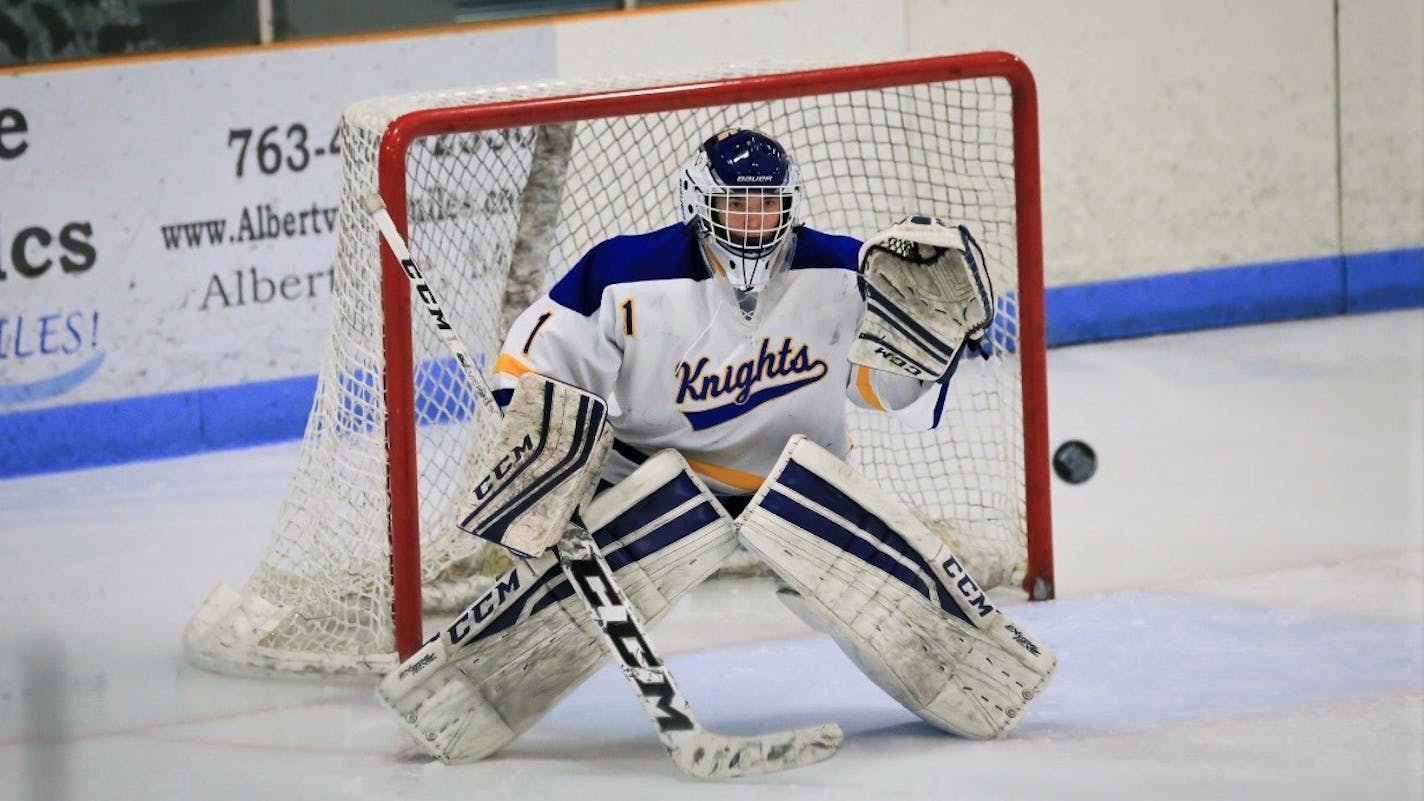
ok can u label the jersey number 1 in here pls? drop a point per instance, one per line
(529, 343)
(627, 307)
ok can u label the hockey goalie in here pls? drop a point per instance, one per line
(679, 392)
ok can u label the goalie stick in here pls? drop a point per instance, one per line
(695, 750)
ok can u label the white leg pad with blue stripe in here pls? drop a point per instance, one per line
(892, 595)
(528, 642)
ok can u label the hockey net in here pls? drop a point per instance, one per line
(499, 190)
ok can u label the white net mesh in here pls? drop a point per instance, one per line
(494, 216)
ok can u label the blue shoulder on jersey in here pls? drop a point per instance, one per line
(669, 252)
(817, 250)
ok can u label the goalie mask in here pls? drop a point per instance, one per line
(743, 193)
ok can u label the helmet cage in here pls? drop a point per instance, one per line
(734, 171)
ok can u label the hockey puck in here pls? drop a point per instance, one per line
(1075, 462)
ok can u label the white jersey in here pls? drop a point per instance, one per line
(641, 321)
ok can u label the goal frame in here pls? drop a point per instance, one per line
(398, 379)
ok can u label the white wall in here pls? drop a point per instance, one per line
(1382, 123)
(707, 36)
(1176, 134)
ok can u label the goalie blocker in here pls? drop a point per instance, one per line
(863, 568)
(545, 465)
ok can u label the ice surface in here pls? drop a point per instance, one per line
(1241, 596)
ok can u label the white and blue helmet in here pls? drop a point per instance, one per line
(737, 161)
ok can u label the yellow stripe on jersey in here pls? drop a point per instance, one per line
(751, 482)
(867, 390)
(511, 365)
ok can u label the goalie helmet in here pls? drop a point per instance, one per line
(743, 193)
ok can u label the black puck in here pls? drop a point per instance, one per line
(1075, 462)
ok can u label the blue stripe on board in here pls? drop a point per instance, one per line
(183, 423)
(154, 426)
(1190, 301)
(1391, 279)
(1251, 294)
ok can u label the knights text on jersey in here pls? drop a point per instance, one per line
(639, 321)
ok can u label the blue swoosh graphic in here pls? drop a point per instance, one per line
(720, 414)
(47, 388)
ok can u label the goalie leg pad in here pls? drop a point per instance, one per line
(528, 642)
(866, 571)
(545, 464)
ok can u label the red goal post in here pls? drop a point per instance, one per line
(497, 191)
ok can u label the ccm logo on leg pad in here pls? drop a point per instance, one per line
(976, 599)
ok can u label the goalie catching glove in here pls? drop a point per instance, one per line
(927, 297)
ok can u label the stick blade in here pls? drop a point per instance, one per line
(705, 755)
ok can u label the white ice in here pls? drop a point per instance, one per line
(1240, 615)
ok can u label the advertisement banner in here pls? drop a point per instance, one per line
(169, 225)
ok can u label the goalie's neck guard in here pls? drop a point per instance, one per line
(747, 277)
